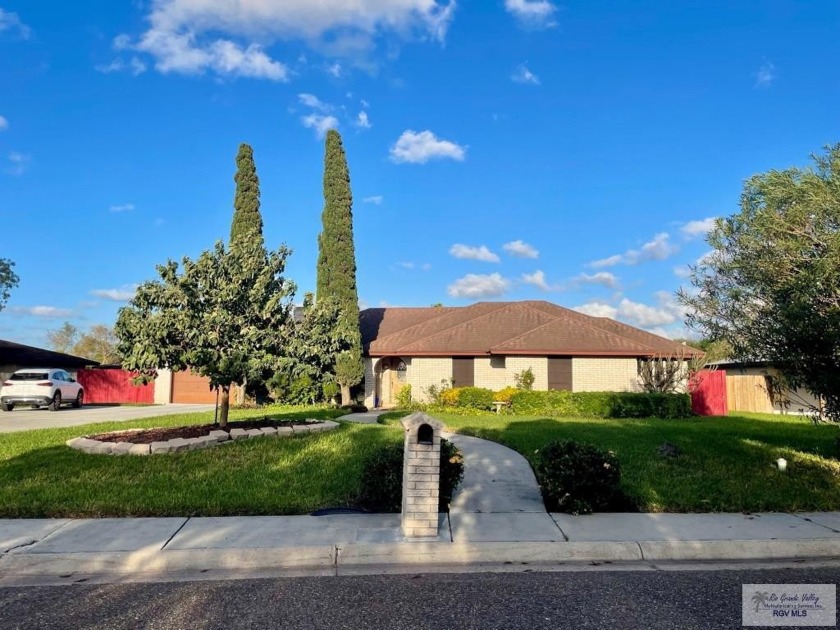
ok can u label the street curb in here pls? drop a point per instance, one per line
(330, 559)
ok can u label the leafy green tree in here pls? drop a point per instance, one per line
(771, 286)
(247, 224)
(247, 221)
(8, 280)
(337, 264)
(225, 315)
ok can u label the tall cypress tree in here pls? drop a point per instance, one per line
(337, 264)
(247, 221)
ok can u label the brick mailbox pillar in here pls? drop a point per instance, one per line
(421, 475)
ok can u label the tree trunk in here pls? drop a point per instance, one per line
(224, 406)
(345, 395)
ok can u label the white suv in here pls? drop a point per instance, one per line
(40, 387)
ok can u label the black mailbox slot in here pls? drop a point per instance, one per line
(425, 434)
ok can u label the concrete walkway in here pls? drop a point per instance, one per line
(368, 417)
(25, 418)
(65, 550)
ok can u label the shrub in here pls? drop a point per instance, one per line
(404, 396)
(504, 395)
(381, 489)
(475, 398)
(578, 478)
(524, 380)
(449, 397)
(355, 408)
(451, 472)
(434, 392)
(601, 404)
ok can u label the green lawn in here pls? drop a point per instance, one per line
(726, 466)
(41, 477)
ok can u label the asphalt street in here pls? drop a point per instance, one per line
(576, 599)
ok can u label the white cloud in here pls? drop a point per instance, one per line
(597, 309)
(659, 248)
(479, 286)
(122, 294)
(362, 121)
(125, 207)
(334, 69)
(310, 100)
(701, 227)
(420, 147)
(42, 311)
(532, 13)
(374, 199)
(684, 271)
(523, 75)
(604, 278)
(4, 123)
(765, 75)
(135, 66)
(413, 265)
(538, 280)
(179, 53)
(521, 249)
(10, 21)
(186, 35)
(19, 162)
(667, 311)
(473, 253)
(321, 124)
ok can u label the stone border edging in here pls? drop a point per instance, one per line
(97, 447)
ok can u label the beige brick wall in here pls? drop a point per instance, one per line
(425, 371)
(496, 378)
(604, 375)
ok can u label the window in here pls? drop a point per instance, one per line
(497, 363)
(29, 376)
(463, 372)
(401, 369)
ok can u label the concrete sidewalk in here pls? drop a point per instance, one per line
(336, 544)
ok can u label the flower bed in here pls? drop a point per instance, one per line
(173, 439)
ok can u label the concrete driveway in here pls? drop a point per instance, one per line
(25, 418)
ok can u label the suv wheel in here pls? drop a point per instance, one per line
(80, 398)
(8, 406)
(55, 404)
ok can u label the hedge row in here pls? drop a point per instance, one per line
(600, 404)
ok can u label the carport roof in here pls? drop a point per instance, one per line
(16, 354)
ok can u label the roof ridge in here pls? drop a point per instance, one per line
(590, 321)
(527, 304)
(503, 304)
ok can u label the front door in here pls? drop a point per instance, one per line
(392, 380)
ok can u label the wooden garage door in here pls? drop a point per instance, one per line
(191, 388)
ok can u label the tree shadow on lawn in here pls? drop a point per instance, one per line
(265, 476)
(726, 463)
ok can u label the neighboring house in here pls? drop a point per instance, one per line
(748, 389)
(15, 356)
(486, 344)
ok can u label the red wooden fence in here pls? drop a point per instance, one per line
(113, 385)
(709, 395)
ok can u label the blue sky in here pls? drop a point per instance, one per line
(499, 149)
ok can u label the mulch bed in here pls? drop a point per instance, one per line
(147, 436)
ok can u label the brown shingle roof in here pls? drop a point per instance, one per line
(505, 328)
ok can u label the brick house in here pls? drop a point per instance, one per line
(486, 344)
